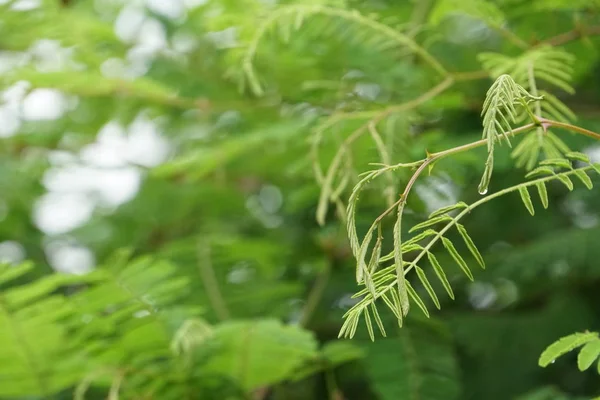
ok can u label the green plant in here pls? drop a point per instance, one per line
(267, 114)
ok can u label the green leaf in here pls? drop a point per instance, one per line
(557, 162)
(541, 187)
(417, 299)
(457, 257)
(588, 354)
(369, 324)
(439, 271)
(341, 352)
(524, 193)
(246, 351)
(540, 171)
(470, 244)
(378, 320)
(566, 181)
(575, 155)
(565, 345)
(430, 222)
(427, 285)
(447, 209)
(584, 178)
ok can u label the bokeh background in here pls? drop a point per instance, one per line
(158, 200)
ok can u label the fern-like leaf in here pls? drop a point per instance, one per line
(499, 109)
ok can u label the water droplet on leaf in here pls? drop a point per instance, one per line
(483, 191)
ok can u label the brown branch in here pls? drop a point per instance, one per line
(571, 35)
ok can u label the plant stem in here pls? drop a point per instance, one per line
(573, 128)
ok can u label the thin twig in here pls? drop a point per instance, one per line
(571, 35)
(211, 285)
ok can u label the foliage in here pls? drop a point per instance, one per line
(190, 193)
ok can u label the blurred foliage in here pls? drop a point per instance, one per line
(163, 165)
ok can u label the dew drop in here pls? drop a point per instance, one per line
(553, 361)
(483, 191)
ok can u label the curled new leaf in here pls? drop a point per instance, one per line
(498, 112)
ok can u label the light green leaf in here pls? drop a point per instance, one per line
(439, 271)
(557, 162)
(430, 222)
(566, 181)
(540, 171)
(584, 178)
(427, 285)
(541, 187)
(524, 193)
(470, 244)
(417, 299)
(447, 209)
(565, 345)
(457, 257)
(588, 354)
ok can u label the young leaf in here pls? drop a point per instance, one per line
(575, 155)
(526, 199)
(392, 306)
(378, 319)
(417, 299)
(557, 162)
(588, 354)
(566, 180)
(428, 287)
(419, 237)
(457, 257)
(544, 170)
(471, 245)
(369, 325)
(541, 186)
(445, 210)
(564, 345)
(584, 178)
(439, 271)
(429, 222)
(399, 264)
